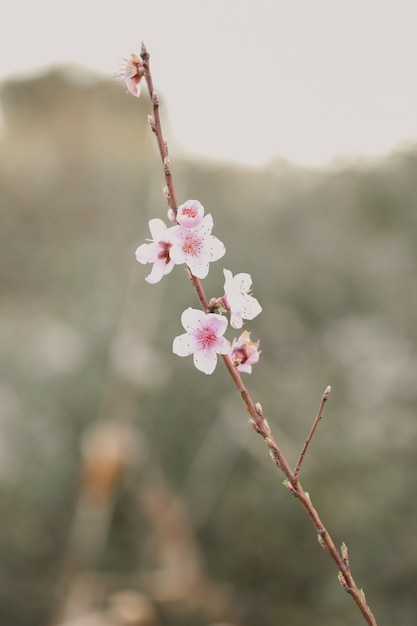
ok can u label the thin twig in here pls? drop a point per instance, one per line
(313, 430)
(157, 130)
(258, 420)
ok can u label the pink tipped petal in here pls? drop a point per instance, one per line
(218, 323)
(133, 87)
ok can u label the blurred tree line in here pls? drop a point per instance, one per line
(132, 489)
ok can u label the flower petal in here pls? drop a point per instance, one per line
(145, 253)
(192, 318)
(198, 267)
(157, 251)
(184, 345)
(218, 323)
(158, 229)
(245, 367)
(205, 361)
(251, 308)
(223, 346)
(190, 213)
(134, 87)
(241, 304)
(236, 320)
(159, 270)
(214, 249)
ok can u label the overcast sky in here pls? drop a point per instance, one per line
(246, 80)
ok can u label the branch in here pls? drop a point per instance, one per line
(257, 419)
(313, 430)
(155, 123)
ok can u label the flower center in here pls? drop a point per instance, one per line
(240, 355)
(206, 338)
(192, 244)
(189, 211)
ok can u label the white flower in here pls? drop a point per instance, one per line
(190, 213)
(157, 251)
(196, 247)
(204, 338)
(238, 299)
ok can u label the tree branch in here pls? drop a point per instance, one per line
(257, 419)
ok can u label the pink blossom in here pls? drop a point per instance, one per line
(245, 352)
(196, 247)
(157, 251)
(190, 213)
(204, 338)
(238, 299)
(131, 73)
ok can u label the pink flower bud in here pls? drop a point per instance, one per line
(245, 352)
(132, 72)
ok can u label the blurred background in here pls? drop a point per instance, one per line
(133, 492)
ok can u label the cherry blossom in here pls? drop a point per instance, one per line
(204, 338)
(190, 213)
(157, 251)
(196, 247)
(245, 352)
(238, 299)
(131, 73)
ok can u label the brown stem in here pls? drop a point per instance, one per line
(200, 292)
(313, 429)
(345, 577)
(258, 420)
(157, 129)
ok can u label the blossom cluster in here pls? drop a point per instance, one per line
(189, 241)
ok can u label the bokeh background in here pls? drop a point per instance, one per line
(133, 492)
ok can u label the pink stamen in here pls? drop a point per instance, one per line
(206, 338)
(192, 245)
(164, 253)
